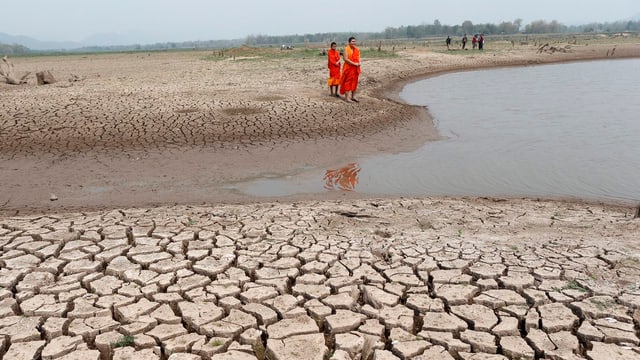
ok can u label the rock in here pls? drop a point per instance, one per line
(424, 303)
(446, 340)
(343, 321)
(436, 321)
(25, 350)
(482, 317)
(611, 352)
(61, 346)
(436, 353)
(303, 347)
(85, 354)
(516, 347)
(481, 342)
(20, 329)
(44, 78)
(294, 326)
(499, 298)
(456, 294)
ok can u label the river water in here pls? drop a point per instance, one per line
(553, 131)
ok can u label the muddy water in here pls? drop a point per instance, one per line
(566, 130)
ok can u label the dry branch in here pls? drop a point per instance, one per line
(6, 71)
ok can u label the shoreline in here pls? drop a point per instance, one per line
(383, 123)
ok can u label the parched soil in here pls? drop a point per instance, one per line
(118, 240)
(175, 127)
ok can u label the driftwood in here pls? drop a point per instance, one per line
(6, 71)
(552, 49)
(45, 77)
(543, 47)
(75, 78)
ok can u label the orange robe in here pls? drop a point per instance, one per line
(334, 70)
(350, 73)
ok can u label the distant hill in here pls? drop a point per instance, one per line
(93, 41)
(35, 44)
(10, 44)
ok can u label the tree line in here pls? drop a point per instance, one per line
(438, 29)
(14, 49)
(402, 32)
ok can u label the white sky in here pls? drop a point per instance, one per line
(182, 20)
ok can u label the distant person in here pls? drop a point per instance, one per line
(448, 41)
(464, 41)
(481, 42)
(474, 42)
(333, 57)
(350, 71)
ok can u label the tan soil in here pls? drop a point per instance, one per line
(433, 278)
(171, 127)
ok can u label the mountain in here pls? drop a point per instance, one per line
(100, 40)
(110, 39)
(35, 44)
(94, 40)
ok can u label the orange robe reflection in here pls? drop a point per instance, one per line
(345, 178)
(350, 73)
(334, 67)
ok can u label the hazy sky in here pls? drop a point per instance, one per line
(181, 20)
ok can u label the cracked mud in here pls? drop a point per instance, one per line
(381, 279)
(469, 279)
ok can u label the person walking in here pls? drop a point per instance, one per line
(350, 71)
(448, 42)
(333, 57)
(474, 42)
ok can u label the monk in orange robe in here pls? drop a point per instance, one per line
(334, 70)
(350, 71)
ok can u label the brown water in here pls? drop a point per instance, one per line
(565, 130)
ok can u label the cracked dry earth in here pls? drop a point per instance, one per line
(377, 279)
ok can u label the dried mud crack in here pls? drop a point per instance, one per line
(317, 280)
(469, 279)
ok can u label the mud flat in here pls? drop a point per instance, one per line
(113, 276)
(410, 278)
(175, 127)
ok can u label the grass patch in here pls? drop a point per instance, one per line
(574, 285)
(247, 53)
(126, 340)
(600, 304)
(216, 343)
(627, 261)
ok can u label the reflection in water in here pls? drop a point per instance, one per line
(572, 131)
(345, 178)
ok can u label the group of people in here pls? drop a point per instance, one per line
(477, 41)
(346, 79)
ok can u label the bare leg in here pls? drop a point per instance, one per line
(347, 96)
